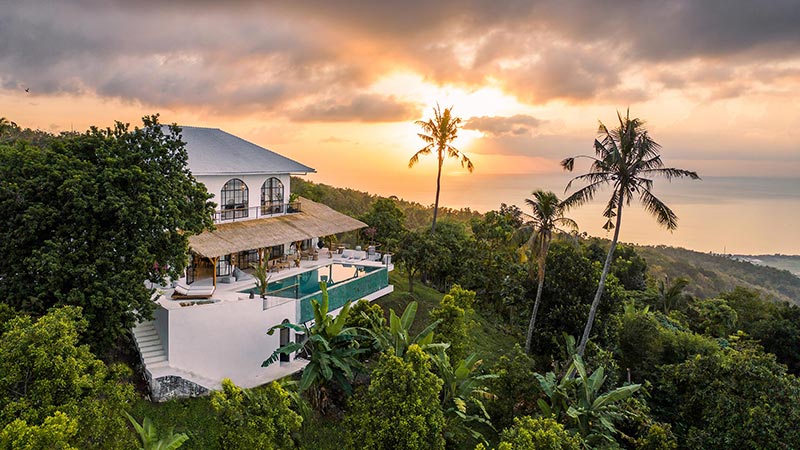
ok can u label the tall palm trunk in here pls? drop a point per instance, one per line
(532, 324)
(601, 287)
(438, 187)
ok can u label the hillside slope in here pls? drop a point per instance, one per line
(783, 262)
(710, 274)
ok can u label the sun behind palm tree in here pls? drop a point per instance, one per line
(439, 133)
(626, 158)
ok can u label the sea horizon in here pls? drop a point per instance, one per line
(719, 214)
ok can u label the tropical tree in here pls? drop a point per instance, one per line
(463, 393)
(547, 217)
(438, 134)
(628, 159)
(261, 273)
(580, 402)
(331, 348)
(87, 218)
(6, 125)
(148, 436)
(397, 337)
(670, 295)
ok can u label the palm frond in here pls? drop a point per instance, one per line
(415, 159)
(582, 196)
(663, 214)
(669, 173)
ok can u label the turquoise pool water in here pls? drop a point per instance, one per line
(307, 283)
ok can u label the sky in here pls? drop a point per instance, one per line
(339, 85)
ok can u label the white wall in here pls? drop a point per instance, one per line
(226, 339)
(214, 185)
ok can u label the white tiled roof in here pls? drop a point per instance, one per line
(215, 152)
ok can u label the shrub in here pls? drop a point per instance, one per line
(537, 434)
(373, 311)
(400, 408)
(43, 371)
(455, 311)
(258, 418)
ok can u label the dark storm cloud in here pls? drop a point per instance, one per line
(240, 57)
(516, 125)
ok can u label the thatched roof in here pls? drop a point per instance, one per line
(315, 220)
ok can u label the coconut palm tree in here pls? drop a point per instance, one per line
(438, 134)
(628, 159)
(547, 217)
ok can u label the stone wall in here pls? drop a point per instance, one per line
(171, 386)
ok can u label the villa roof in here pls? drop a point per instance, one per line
(215, 152)
(315, 220)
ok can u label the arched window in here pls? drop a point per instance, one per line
(272, 196)
(233, 199)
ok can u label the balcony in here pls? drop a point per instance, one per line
(255, 212)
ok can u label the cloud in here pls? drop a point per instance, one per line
(516, 125)
(247, 57)
(360, 108)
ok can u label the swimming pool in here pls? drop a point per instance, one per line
(307, 283)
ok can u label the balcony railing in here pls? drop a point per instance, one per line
(255, 212)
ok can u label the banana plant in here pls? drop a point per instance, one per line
(397, 336)
(148, 436)
(332, 349)
(463, 393)
(577, 399)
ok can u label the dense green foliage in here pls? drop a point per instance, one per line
(385, 220)
(738, 397)
(85, 219)
(258, 418)
(400, 408)
(48, 382)
(55, 433)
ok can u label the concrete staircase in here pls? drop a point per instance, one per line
(150, 347)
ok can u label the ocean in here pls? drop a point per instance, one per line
(741, 215)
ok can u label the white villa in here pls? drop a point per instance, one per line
(209, 325)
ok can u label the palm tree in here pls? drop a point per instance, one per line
(627, 158)
(670, 295)
(548, 215)
(438, 134)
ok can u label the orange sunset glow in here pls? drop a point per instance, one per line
(339, 85)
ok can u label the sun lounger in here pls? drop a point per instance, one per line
(183, 292)
(358, 255)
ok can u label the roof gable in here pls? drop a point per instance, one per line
(214, 152)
